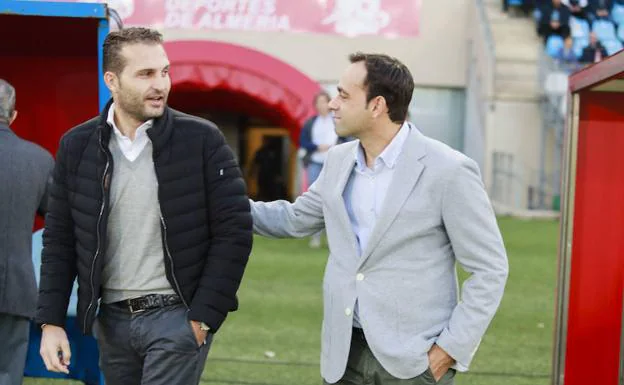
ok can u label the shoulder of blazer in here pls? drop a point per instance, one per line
(441, 156)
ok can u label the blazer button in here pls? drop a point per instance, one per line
(359, 277)
(347, 312)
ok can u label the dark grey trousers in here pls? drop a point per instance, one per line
(156, 347)
(364, 369)
(14, 333)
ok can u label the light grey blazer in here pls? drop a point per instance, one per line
(436, 213)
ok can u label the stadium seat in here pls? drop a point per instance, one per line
(604, 30)
(554, 44)
(612, 46)
(579, 28)
(578, 45)
(617, 14)
(620, 32)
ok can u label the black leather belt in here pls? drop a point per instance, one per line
(147, 302)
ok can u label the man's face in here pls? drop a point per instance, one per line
(351, 113)
(142, 87)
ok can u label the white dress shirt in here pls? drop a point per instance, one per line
(130, 148)
(366, 190)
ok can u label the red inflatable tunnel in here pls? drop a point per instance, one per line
(208, 75)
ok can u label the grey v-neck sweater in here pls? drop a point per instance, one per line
(134, 264)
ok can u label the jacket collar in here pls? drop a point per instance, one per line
(159, 133)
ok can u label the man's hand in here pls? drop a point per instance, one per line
(200, 335)
(55, 349)
(323, 147)
(555, 25)
(439, 362)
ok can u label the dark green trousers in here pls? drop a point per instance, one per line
(364, 369)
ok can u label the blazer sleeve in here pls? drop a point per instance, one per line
(283, 219)
(478, 247)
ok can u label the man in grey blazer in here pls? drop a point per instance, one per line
(24, 171)
(400, 209)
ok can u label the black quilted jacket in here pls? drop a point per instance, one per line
(206, 222)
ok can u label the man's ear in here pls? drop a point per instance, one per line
(13, 117)
(379, 106)
(111, 80)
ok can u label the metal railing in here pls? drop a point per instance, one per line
(516, 184)
(554, 86)
(480, 86)
(490, 49)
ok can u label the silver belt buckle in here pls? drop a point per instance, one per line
(132, 311)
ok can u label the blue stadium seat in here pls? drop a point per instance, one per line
(578, 45)
(604, 30)
(554, 44)
(612, 46)
(515, 3)
(620, 32)
(617, 14)
(579, 28)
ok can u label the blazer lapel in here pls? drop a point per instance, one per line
(341, 182)
(407, 172)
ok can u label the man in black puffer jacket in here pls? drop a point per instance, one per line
(148, 209)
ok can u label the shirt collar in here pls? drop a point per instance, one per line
(390, 154)
(141, 130)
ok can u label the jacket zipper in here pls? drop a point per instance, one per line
(175, 281)
(97, 251)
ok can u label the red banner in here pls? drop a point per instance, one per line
(388, 18)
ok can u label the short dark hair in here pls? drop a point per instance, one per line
(113, 61)
(387, 77)
(321, 94)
